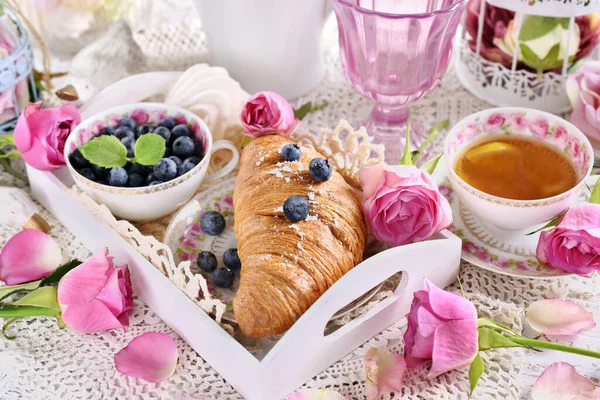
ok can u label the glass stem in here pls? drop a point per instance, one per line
(554, 346)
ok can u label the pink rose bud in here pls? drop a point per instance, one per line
(267, 113)
(442, 330)
(574, 244)
(28, 256)
(40, 134)
(583, 88)
(96, 296)
(403, 204)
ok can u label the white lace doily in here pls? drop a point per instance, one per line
(45, 362)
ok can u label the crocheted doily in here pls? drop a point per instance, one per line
(45, 362)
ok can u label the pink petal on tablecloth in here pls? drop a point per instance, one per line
(151, 356)
(559, 317)
(561, 381)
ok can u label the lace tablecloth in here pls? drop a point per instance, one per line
(45, 362)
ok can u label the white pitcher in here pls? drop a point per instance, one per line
(267, 44)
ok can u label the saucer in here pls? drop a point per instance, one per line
(186, 239)
(505, 252)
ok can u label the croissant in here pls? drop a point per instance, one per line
(287, 266)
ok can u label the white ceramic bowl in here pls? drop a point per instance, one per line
(518, 214)
(150, 202)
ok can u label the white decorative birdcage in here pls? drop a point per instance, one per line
(507, 82)
(17, 86)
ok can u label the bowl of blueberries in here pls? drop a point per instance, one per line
(143, 160)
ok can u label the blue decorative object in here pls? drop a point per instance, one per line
(18, 66)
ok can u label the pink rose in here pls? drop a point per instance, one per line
(40, 134)
(96, 296)
(517, 122)
(267, 113)
(28, 256)
(574, 244)
(442, 330)
(560, 134)
(540, 128)
(583, 88)
(494, 123)
(8, 108)
(403, 204)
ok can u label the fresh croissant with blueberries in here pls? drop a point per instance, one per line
(295, 239)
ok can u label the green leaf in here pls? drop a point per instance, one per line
(551, 60)
(149, 149)
(595, 196)
(406, 157)
(303, 110)
(105, 151)
(245, 141)
(59, 272)
(42, 297)
(7, 140)
(490, 339)
(535, 26)
(432, 134)
(550, 224)
(430, 165)
(475, 372)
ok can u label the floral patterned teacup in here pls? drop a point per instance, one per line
(148, 202)
(518, 214)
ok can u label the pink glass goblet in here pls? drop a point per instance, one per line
(394, 52)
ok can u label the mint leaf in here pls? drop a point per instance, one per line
(475, 372)
(149, 149)
(535, 26)
(105, 151)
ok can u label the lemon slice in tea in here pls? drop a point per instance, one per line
(490, 149)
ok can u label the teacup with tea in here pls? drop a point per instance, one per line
(516, 168)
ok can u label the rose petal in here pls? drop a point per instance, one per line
(316, 394)
(449, 305)
(84, 283)
(89, 317)
(561, 381)
(454, 346)
(151, 356)
(384, 372)
(559, 317)
(28, 256)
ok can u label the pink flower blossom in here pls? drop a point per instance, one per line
(494, 123)
(267, 113)
(403, 204)
(96, 296)
(152, 356)
(561, 135)
(574, 244)
(517, 122)
(28, 256)
(442, 330)
(539, 127)
(139, 116)
(583, 88)
(384, 372)
(40, 134)
(558, 317)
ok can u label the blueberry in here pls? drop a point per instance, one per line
(176, 160)
(184, 168)
(223, 277)
(168, 152)
(206, 261)
(78, 160)
(135, 180)
(135, 168)
(181, 130)
(88, 173)
(319, 169)
(129, 143)
(155, 183)
(199, 147)
(142, 130)
(193, 159)
(212, 223)
(231, 259)
(117, 177)
(291, 152)
(100, 172)
(128, 122)
(183, 147)
(109, 130)
(165, 170)
(123, 132)
(296, 208)
(164, 132)
(168, 123)
(150, 178)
